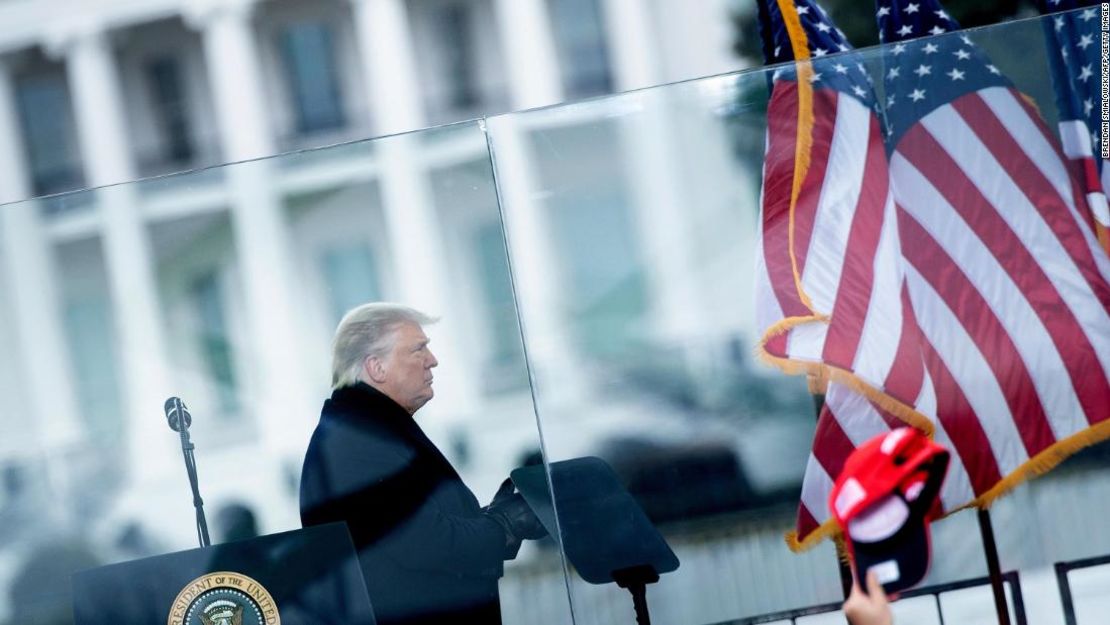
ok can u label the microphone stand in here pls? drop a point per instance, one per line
(187, 448)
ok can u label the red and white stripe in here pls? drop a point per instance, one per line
(1005, 339)
(849, 420)
(845, 240)
(848, 257)
(1075, 138)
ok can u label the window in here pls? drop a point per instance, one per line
(308, 51)
(49, 133)
(90, 334)
(215, 346)
(351, 276)
(453, 26)
(607, 287)
(580, 39)
(506, 364)
(167, 93)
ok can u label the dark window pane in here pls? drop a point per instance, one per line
(214, 344)
(605, 269)
(580, 39)
(309, 54)
(351, 277)
(507, 357)
(49, 133)
(168, 95)
(458, 44)
(89, 331)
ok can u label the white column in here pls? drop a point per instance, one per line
(280, 393)
(101, 123)
(234, 74)
(14, 177)
(413, 228)
(632, 46)
(416, 243)
(32, 295)
(528, 47)
(697, 38)
(537, 280)
(661, 213)
(663, 219)
(385, 43)
(106, 155)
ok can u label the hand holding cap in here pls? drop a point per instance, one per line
(870, 608)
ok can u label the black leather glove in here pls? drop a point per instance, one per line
(504, 492)
(514, 515)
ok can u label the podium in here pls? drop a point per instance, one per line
(604, 532)
(308, 576)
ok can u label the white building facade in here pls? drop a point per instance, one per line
(630, 225)
(99, 93)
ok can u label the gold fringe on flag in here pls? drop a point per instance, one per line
(803, 143)
(1037, 465)
(826, 373)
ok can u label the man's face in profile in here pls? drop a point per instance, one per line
(408, 368)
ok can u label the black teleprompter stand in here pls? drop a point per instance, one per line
(635, 579)
(604, 532)
(180, 420)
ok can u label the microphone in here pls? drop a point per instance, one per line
(177, 414)
(180, 420)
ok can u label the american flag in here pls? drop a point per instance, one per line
(1009, 287)
(824, 184)
(1073, 55)
(1001, 346)
(829, 258)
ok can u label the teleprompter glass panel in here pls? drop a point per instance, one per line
(222, 287)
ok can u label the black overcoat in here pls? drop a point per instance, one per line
(427, 552)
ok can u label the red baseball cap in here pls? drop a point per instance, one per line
(885, 497)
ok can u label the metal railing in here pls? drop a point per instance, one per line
(1062, 570)
(935, 591)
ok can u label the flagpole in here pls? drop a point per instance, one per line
(994, 570)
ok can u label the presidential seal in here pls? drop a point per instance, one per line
(223, 598)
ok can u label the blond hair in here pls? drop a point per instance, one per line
(365, 331)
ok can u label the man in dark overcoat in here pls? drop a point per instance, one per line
(429, 552)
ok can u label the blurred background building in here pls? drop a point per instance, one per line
(99, 93)
(632, 226)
